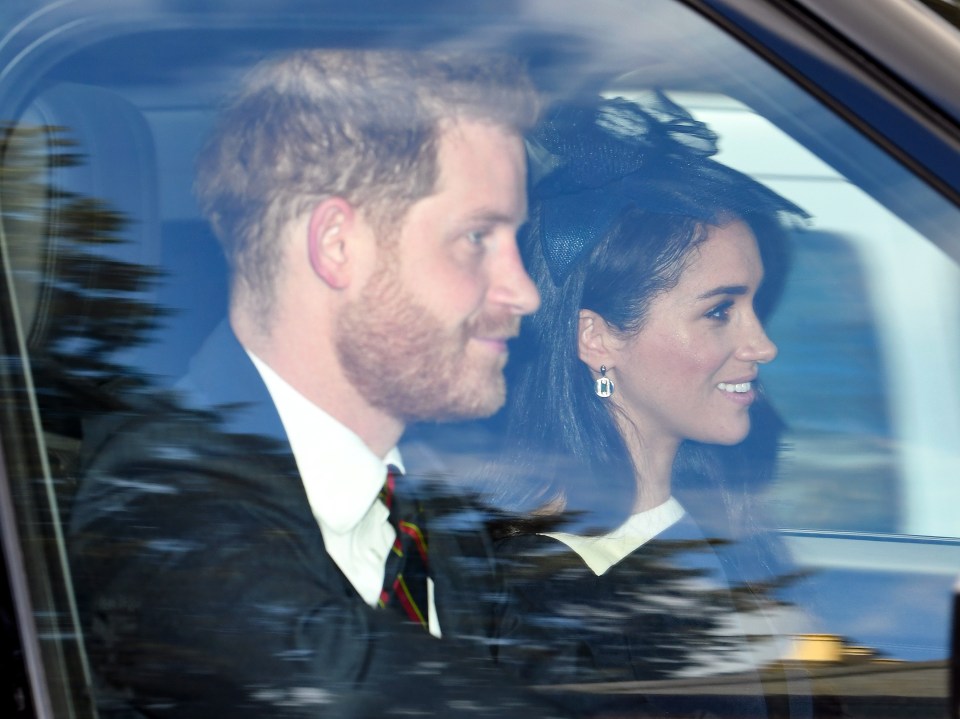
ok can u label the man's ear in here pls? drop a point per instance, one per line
(328, 240)
(596, 341)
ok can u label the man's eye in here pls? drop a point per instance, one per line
(477, 237)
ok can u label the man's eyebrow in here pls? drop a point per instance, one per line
(724, 290)
(494, 218)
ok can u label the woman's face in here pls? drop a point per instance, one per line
(689, 372)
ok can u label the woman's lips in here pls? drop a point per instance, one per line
(740, 392)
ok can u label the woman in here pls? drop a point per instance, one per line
(656, 266)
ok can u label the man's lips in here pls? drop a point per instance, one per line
(498, 344)
(495, 332)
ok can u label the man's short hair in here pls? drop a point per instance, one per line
(361, 125)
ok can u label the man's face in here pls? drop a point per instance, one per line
(427, 340)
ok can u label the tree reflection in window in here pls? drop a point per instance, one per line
(78, 306)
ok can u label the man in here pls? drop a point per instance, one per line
(230, 545)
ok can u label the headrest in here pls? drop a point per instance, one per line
(87, 239)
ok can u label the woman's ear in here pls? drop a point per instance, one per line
(328, 233)
(597, 342)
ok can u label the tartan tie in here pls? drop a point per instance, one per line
(405, 571)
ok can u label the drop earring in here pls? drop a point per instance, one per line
(604, 385)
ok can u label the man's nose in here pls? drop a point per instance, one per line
(510, 285)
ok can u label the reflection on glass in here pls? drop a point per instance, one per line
(76, 307)
(79, 306)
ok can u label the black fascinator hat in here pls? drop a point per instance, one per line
(590, 162)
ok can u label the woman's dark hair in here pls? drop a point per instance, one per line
(563, 441)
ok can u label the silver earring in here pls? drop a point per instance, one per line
(604, 385)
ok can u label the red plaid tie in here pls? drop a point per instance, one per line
(405, 572)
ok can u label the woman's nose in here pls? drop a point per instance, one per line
(757, 347)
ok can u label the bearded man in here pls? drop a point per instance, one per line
(242, 548)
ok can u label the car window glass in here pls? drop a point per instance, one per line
(864, 282)
(115, 280)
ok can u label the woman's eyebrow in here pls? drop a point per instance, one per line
(724, 290)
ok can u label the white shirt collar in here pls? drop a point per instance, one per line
(341, 474)
(602, 552)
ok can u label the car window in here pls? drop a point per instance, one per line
(867, 266)
(113, 281)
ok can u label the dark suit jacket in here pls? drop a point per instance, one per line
(206, 591)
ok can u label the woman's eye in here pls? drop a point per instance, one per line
(720, 312)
